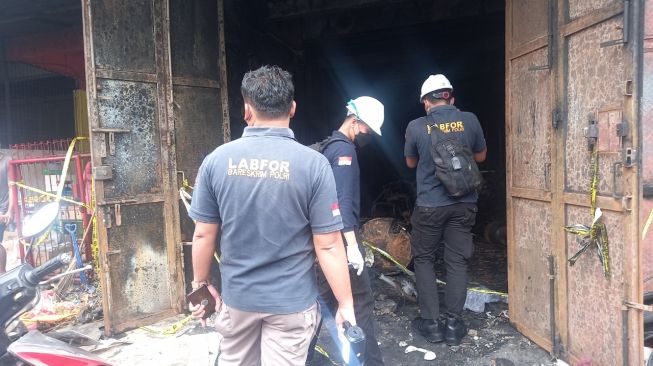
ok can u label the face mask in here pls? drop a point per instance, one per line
(362, 139)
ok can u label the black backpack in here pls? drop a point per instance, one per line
(320, 146)
(454, 162)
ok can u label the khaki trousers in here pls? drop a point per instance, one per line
(263, 339)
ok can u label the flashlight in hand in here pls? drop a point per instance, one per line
(353, 352)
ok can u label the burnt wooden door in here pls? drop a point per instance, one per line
(152, 76)
(572, 63)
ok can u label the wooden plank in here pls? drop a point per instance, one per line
(195, 82)
(529, 47)
(125, 75)
(605, 203)
(531, 194)
(592, 19)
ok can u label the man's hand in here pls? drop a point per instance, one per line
(345, 313)
(355, 258)
(5, 218)
(197, 310)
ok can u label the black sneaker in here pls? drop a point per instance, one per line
(430, 329)
(456, 330)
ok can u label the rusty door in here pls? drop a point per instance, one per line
(139, 54)
(572, 64)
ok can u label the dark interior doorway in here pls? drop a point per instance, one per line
(339, 50)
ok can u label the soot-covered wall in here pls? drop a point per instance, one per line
(385, 51)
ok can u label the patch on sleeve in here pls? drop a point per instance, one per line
(335, 209)
(344, 160)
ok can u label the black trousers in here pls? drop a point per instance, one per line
(363, 307)
(432, 226)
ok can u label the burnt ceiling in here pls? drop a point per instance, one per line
(315, 18)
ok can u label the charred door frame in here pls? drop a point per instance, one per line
(164, 80)
(561, 29)
(168, 196)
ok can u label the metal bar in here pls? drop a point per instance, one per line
(552, 315)
(591, 19)
(111, 130)
(125, 76)
(198, 82)
(627, 14)
(528, 47)
(45, 159)
(637, 306)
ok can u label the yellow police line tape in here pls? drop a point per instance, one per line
(647, 225)
(48, 194)
(596, 234)
(185, 198)
(174, 328)
(62, 183)
(325, 354)
(412, 274)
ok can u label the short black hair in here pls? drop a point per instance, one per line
(269, 90)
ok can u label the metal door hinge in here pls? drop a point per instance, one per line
(629, 157)
(628, 88)
(591, 133)
(103, 172)
(623, 129)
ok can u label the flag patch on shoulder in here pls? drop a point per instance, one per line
(344, 160)
(335, 209)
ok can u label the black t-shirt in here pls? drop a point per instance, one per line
(465, 127)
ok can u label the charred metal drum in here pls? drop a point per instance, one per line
(391, 236)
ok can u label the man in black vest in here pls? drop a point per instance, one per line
(364, 117)
(439, 218)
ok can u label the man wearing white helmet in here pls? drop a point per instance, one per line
(364, 117)
(437, 217)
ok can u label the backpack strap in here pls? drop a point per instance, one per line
(329, 140)
(322, 145)
(433, 126)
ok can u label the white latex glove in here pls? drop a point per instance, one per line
(355, 258)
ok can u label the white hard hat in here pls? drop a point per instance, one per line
(433, 83)
(368, 110)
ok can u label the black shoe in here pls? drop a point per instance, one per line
(456, 330)
(430, 329)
